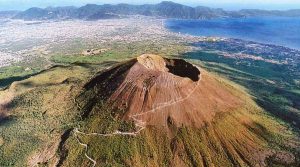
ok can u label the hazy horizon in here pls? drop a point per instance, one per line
(226, 4)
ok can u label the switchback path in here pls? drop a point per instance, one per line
(138, 123)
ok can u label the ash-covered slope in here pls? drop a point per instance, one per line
(154, 89)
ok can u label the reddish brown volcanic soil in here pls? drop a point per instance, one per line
(156, 91)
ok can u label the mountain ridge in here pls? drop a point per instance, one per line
(165, 9)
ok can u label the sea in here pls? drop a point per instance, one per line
(283, 31)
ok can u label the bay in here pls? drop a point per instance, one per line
(283, 31)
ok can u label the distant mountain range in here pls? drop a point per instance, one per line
(8, 14)
(165, 9)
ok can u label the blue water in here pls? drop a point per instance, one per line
(271, 30)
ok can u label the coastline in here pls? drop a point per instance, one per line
(262, 30)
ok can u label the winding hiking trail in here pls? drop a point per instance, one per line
(138, 123)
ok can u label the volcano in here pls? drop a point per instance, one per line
(156, 90)
(147, 111)
(181, 115)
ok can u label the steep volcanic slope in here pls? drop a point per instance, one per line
(153, 111)
(155, 89)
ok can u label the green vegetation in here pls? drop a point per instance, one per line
(273, 89)
(44, 107)
(41, 110)
(21, 71)
(226, 141)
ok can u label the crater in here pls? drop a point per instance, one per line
(183, 69)
(176, 67)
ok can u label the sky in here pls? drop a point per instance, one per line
(226, 4)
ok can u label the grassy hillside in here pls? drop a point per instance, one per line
(40, 109)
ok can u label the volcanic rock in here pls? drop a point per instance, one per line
(154, 89)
